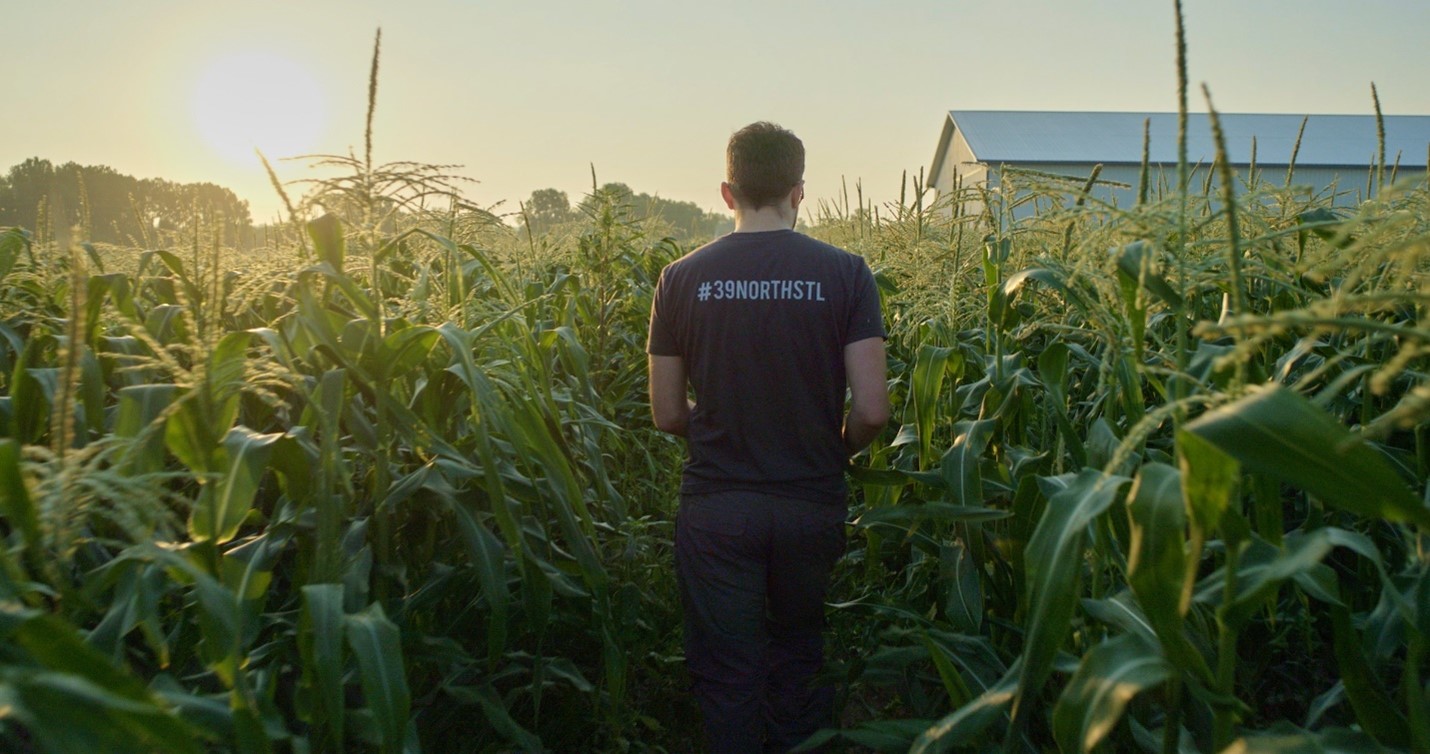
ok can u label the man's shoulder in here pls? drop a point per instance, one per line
(734, 248)
(832, 255)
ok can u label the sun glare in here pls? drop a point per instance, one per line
(258, 99)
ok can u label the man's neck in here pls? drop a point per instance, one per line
(763, 219)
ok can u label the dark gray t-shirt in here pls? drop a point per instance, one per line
(761, 321)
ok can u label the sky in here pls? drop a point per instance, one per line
(533, 94)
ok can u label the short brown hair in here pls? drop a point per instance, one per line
(763, 163)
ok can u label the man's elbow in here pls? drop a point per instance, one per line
(671, 422)
(871, 412)
(870, 418)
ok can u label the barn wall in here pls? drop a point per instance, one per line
(1117, 184)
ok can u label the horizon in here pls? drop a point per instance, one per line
(645, 94)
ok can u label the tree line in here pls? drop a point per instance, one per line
(103, 205)
(547, 210)
(98, 203)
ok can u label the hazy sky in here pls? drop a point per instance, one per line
(529, 94)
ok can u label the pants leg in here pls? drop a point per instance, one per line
(807, 538)
(753, 571)
(720, 565)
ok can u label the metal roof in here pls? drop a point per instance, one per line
(1006, 136)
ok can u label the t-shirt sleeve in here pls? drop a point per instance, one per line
(660, 341)
(865, 317)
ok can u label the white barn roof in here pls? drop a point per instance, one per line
(1007, 136)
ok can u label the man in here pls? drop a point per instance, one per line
(768, 328)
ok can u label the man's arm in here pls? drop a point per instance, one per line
(669, 406)
(864, 367)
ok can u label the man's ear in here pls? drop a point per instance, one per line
(727, 194)
(796, 195)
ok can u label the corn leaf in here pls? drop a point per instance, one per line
(328, 241)
(933, 511)
(933, 365)
(13, 241)
(1209, 481)
(953, 684)
(29, 406)
(16, 504)
(222, 509)
(1277, 432)
(1296, 741)
(489, 558)
(72, 713)
(963, 590)
(963, 724)
(404, 350)
(376, 644)
(321, 649)
(80, 697)
(1053, 371)
(1158, 562)
(959, 465)
(1137, 262)
(1053, 561)
(495, 711)
(1109, 675)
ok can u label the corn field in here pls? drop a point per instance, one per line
(1156, 479)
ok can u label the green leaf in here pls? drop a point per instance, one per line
(1157, 564)
(931, 367)
(1137, 262)
(13, 241)
(963, 589)
(1109, 675)
(489, 558)
(1374, 709)
(1053, 371)
(1262, 570)
(221, 511)
(935, 511)
(892, 736)
(376, 643)
(405, 349)
(30, 417)
(959, 465)
(1053, 561)
(321, 649)
(1159, 561)
(1327, 225)
(72, 713)
(953, 684)
(1277, 432)
(117, 286)
(1051, 278)
(1209, 481)
(328, 242)
(1287, 739)
(295, 461)
(496, 713)
(80, 698)
(16, 504)
(1121, 611)
(190, 434)
(960, 726)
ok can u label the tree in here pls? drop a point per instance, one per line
(684, 221)
(112, 207)
(546, 209)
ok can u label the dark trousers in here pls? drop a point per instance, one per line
(753, 572)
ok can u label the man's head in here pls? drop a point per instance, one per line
(763, 164)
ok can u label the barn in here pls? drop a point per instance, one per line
(1336, 155)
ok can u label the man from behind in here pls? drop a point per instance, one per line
(769, 330)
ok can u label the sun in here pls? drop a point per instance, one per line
(262, 100)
